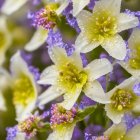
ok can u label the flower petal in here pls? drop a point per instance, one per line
(83, 45)
(136, 107)
(115, 116)
(78, 5)
(65, 133)
(11, 6)
(70, 99)
(116, 131)
(37, 40)
(126, 22)
(98, 68)
(113, 5)
(50, 94)
(133, 134)
(116, 47)
(95, 91)
(49, 76)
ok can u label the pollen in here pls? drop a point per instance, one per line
(23, 91)
(71, 78)
(123, 99)
(2, 40)
(103, 25)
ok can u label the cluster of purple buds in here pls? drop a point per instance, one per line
(59, 115)
(30, 126)
(45, 17)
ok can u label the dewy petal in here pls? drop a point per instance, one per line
(58, 55)
(83, 45)
(98, 68)
(113, 5)
(49, 76)
(136, 107)
(37, 40)
(116, 131)
(126, 21)
(78, 5)
(95, 91)
(64, 134)
(129, 69)
(134, 133)
(11, 6)
(50, 94)
(2, 102)
(18, 67)
(115, 116)
(116, 47)
(70, 99)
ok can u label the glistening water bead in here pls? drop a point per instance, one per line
(123, 99)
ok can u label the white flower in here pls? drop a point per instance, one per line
(102, 27)
(122, 99)
(24, 87)
(69, 78)
(10, 6)
(37, 40)
(132, 65)
(5, 38)
(119, 132)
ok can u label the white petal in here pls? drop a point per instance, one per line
(116, 47)
(64, 134)
(62, 7)
(11, 6)
(116, 131)
(70, 99)
(2, 102)
(98, 68)
(95, 91)
(50, 94)
(83, 45)
(113, 5)
(37, 40)
(49, 76)
(20, 136)
(58, 55)
(78, 5)
(8, 38)
(127, 21)
(133, 134)
(115, 116)
(136, 107)
(129, 69)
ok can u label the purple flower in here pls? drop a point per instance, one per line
(35, 72)
(136, 89)
(11, 132)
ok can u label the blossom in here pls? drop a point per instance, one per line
(132, 65)
(5, 38)
(122, 100)
(102, 27)
(63, 121)
(10, 6)
(23, 86)
(68, 78)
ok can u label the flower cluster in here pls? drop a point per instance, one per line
(76, 73)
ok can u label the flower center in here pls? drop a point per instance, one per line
(2, 40)
(135, 60)
(123, 99)
(60, 116)
(30, 126)
(23, 90)
(71, 78)
(46, 17)
(102, 26)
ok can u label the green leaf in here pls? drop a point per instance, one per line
(84, 113)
